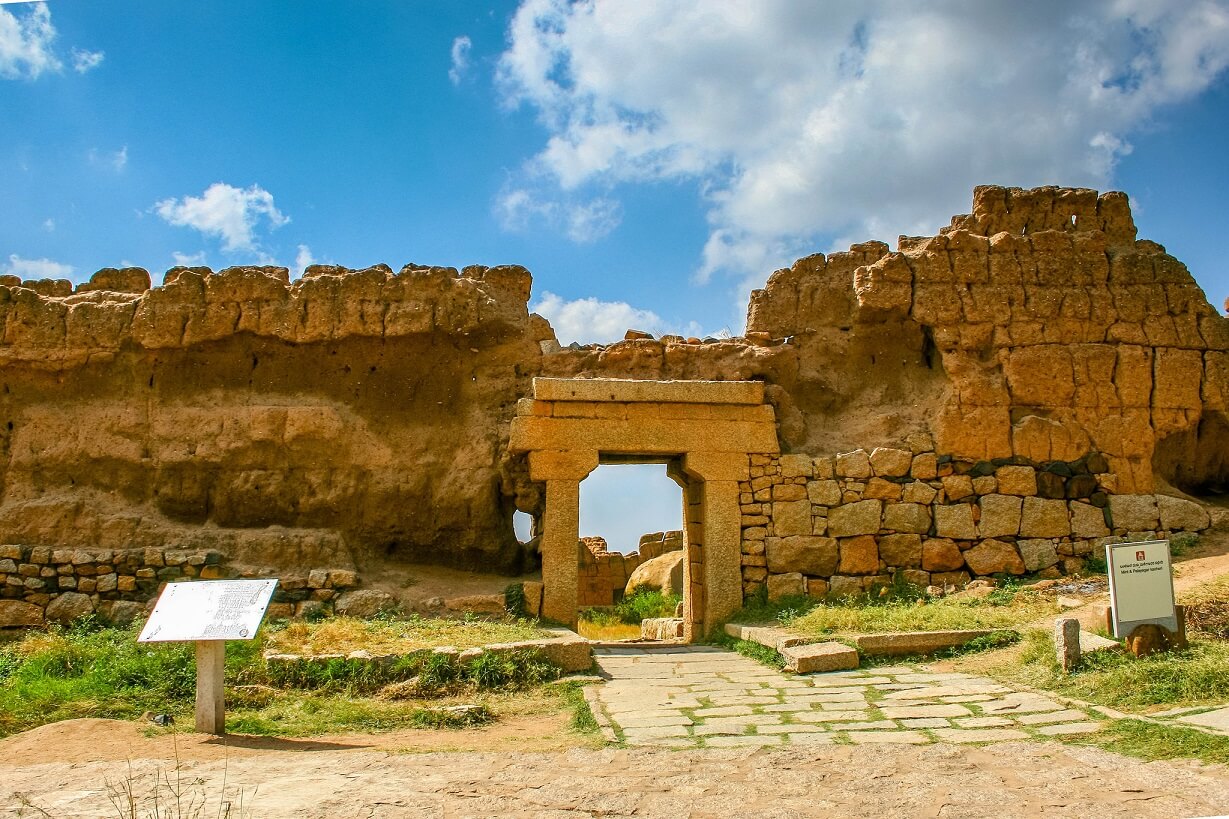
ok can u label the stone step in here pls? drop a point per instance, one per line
(819, 657)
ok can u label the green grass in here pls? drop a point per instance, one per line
(103, 672)
(395, 635)
(642, 604)
(1002, 609)
(1147, 740)
(1196, 676)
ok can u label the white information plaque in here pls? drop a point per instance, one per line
(208, 610)
(1141, 585)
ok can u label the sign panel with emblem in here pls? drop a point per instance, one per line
(1141, 585)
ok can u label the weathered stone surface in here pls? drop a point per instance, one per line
(1180, 514)
(993, 557)
(859, 555)
(363, 602)
(826, 493)
(1000, 516)
(914, 642)
(18, 613)
(856, 464)
(892, 463)
(661, 628)
(861, 518)
(1016, 480)
(918, 492)
(957, 487)
(907, 517)
(941, 555)
(1134, 512)
(69, 606)
(792, 517)
(806, 554)
(820, 657)
(901, 551)
(842, 586)
(663, 573)
(786, 585)
(955, 521)
(1037, 553)
(1087, 520)
(796, 466)
(1041, 517)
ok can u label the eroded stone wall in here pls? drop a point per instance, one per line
(358, 416)
(603, 574)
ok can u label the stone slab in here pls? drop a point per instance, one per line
(819, 657)
(1217, 720)
(638, 391)
(915, 642)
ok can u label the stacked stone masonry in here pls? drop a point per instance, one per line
(852, 523)
(604, 574)
(40, 584)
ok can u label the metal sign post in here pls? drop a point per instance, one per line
(209, 613)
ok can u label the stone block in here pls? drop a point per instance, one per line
(956, 487)
(796, 466)
(363, 603)
(1016, 480)
(317, 578)
(907, 517)
(994, 557)
(1000, 516)
(890, 463)
(955, 521)
(941, 555)
(1134, 512)
(916, 578)
(786, 585)
(661, 628)
(791, 517)
(856, 464)
(820, 657)
(1087, 520)
(1043, 517)
(817, 587)
(859, 555)
(789, 492)
(824, 493)
(919, 492)
(915, 642)
(1037, 553)
(901, 551)
(860, 518)
(925, 467)
(840, 586)
(881, 489)
(1180, 514)
(803, 553)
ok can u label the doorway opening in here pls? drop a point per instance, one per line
(632, 555)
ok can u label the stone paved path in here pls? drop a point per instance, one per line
(700, 696)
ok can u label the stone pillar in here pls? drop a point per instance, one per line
(562, 472)
(1067, 642)
(722, 566)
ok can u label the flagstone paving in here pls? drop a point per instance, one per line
(701, 696)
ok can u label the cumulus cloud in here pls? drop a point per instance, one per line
(224, 211)
(584, 220)
(36, 268)
(189, 259)
(799, 120)
(592, 321)
(460, 59)
(26, 43)
(303, 258)
(85, 61)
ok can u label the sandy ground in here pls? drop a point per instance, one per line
(74, 769)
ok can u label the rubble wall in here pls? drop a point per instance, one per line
(358, 416)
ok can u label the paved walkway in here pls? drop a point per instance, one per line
(699, 696)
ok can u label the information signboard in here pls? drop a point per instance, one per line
(208, 610)
(1141, 585)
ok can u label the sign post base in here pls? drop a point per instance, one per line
(210, 702)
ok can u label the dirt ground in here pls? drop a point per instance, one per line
(76, 769)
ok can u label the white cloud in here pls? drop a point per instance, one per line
(591, 321)
(460, 59)
(226, 212)
(797, 120)
(36, 268)
(117, 161)
(519, 209)
(84, 61)
(303, 258)
(25, 43)
(189, 259)
(49, 225)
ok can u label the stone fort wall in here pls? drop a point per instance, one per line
(356, 417)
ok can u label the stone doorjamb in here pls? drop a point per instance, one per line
(711, 427)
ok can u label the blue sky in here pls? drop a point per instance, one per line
(649, 162)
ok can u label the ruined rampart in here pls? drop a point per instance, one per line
(356, 416)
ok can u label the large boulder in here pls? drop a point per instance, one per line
(664, 573)
(364, 603)
(18, 613)
(68, 607)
